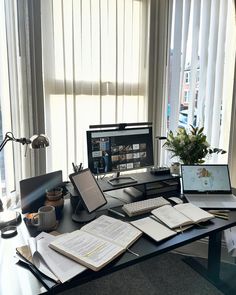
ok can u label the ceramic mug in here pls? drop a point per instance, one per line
(45, 219)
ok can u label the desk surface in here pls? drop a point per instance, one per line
(17, 280)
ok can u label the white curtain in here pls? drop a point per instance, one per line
(10, 98)
(159, 39)
(21, 98)
(203, 42)
(94, 70)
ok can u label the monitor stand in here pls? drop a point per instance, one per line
(82, 215)
(121, 180)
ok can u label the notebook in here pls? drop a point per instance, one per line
(208, 186)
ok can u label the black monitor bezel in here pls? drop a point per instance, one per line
(89, 151)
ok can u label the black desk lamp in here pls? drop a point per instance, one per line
(6, 218)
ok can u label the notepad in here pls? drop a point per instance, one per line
(181, 215)
(98, 242)
(153, 228)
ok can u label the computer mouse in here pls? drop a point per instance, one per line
(176, 200)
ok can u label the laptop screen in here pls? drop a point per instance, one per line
(33, 190)
(205, 178)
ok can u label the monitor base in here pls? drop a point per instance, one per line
(121, 180)
(82, 216)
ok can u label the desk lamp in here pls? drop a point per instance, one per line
(7, 218)
(36, 141)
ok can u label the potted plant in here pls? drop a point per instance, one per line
(191, 147)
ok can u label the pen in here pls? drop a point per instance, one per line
(115, 212)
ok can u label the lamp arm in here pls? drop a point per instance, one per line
(6, 139)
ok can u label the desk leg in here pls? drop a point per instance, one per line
(212, 271)
(214, 256)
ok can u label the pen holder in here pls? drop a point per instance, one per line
(55, 198)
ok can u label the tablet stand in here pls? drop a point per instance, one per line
(81, 214)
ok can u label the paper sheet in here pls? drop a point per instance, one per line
(230, 240)
(61, 266)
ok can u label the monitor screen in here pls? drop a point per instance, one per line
(115, 150)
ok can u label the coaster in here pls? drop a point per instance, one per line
(48, 229)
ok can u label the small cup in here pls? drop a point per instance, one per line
(46, 218)
(54, 194)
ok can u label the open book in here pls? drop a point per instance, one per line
(181, 215)
(49, 262)
(98, 242)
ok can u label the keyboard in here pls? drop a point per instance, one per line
(145, 206)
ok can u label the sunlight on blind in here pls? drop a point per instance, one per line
(94, 63)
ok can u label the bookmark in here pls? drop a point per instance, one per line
(130, 251)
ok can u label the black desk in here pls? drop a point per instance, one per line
(142, 178)
(18, 280)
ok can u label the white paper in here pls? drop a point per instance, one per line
(230, 240)
(62, 267)
(39, 262)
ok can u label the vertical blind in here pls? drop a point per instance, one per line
(94, 68)
(10, 98)
(203, 40)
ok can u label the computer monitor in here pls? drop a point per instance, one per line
(89, 196)
(116, 150)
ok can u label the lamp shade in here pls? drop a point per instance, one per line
(39, 141)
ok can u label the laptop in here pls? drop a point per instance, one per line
(208, 186)
(33, 190)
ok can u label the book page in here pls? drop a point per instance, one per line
(114, 230)
(63, 267)
(87, 249)
(171, 217)
(39, 262)
(193, 212)
(153, 228)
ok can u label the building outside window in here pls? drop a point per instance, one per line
(187, 77)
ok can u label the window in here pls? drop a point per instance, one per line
(8, 88)
(202, 58)
(94, 65)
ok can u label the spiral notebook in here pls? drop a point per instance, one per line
(208, 186)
